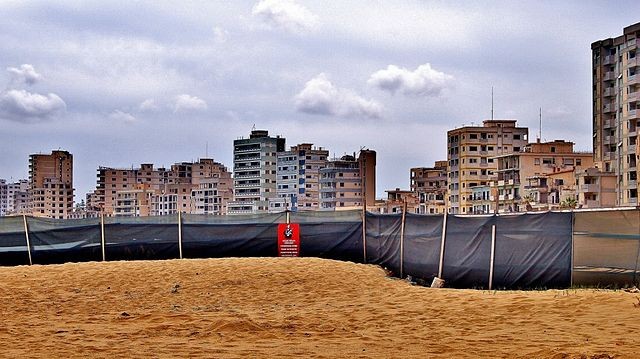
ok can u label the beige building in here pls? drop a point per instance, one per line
(524, 179)
(51, 184)
(470, 153)
(170, 189)
(430, 186)
(596, 189)
(616, 110)
(213, 195)
(347, 183)
(133, 202)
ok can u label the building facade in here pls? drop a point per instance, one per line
(349, 182)
(51, 184)
(298, 177)
(255, 172)
(616, 110)
(532, 177)
(470, 155)
(14, 197)
(430, 186)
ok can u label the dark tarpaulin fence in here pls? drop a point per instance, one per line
(331, 235)
(422, 238)
(230, 236)
(383, 240)
(13, 243)
(606, 248)
(55, 242)
(140, 238)
(533, 251)
(467, 251)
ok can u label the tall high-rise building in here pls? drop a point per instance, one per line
(470, 152)
(298, 177)
(616, 110)
(255, 172)
(51, 184)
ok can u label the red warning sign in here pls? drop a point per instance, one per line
(288, 240)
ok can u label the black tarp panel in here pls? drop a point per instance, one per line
(606, 248)
(383, 240)
(139, 238)
(422, 238)
(73, 240)
(467, 253)
(13, 242)
(330, 235)
(233, 236)
(533, 251)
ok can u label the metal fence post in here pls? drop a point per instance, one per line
(26, 235)
(444, 234)
(180, 233)
(364, 234)
(102, 241)
(404, 214)
(493, 254)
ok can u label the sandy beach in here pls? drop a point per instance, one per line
(286, 307)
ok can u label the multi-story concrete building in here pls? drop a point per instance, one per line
(213, 195)
(616, 110)
(349, 183)
(596, 189)
(522, 176)
(114, 180)
(255, 172)
(298, 177)
(170, 188)
(133, 202)
(51, 184)
(430, 186)
(470, 152)
(14, 197)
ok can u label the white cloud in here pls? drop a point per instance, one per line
(24, 74)
(186, 102)
(118, 115)
(220, 35)
(321, 97)
(423, 81)
(148, 105)
(285, 14)
(23, 106)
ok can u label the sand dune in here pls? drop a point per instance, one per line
(296, 308)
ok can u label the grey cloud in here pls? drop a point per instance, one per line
(321, 97)
(24, 74)
(285, 14)
(23, 106)
(423, 81)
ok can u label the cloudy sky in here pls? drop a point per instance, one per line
(123, 83)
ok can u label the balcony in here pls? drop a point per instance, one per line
(609, 140)
(633, 96)
(592, 203)
(608, 60)
(631, 149)
(609, 76)
(632, 62)
(610, 107)
(633, 79)
(632, 113)
(609, 92)
(589, 188)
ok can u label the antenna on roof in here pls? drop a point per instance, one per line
(540, 126)
(254, 127)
